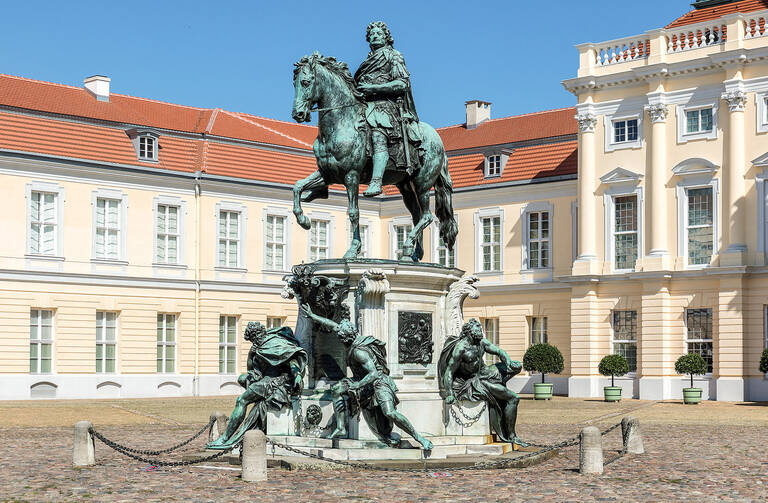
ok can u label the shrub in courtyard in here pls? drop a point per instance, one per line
(764, 361)
(691, 364)
(613, 365)
(543, 358)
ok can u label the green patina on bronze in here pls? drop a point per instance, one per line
(463, 375)
(369, 133)
(371, 388)
(275, 373)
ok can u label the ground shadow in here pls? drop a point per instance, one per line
(752, 404)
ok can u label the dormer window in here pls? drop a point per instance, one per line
(493, 166)
(145, 142)
(147, 148)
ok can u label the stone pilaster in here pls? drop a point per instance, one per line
(584, 381)
(729, 340)
(656, 346)
(586, 262)
(733, 173)
(658, 257)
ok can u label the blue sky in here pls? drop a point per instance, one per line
(238, 55)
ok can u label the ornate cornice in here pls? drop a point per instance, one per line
(737, 100)
(587, 122)
(657, 112)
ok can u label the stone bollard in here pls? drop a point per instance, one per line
(254, 456)
(590, 450)
(219, 426)
(84, 453)
(634, 440)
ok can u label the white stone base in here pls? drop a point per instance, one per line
(756, 389)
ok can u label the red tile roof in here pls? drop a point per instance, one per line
(511, 129)
(710, 13)
(81, 127)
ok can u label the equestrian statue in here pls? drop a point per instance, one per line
(369, 133)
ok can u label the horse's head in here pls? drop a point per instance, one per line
(304, 88)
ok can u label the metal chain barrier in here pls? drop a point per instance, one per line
(132, 453)
(470, 419)
(625, 443)
(169, 449)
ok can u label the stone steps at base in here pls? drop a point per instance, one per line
(364, 454)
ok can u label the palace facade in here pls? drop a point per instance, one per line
(142, 235)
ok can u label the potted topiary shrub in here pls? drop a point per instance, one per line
(546, 359)
(764, 362)
(691, 364)
(613, 365)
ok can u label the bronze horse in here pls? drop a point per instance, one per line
(342, 154)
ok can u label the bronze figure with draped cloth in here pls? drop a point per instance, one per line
(275, 373)
(463, 375)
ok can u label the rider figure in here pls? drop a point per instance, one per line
(384, 81)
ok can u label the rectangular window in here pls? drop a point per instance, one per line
(700, 225)
(40, 341)
(275, 243)
(147, 148)
(43, 216)
(166, 343)
(490, 247)
(698, 324)
(491, 332)
(274, 322)
(625, 336)
(538, 330)
(363, 240)
(401, 234)
(167, 230)
(494, 166)
(108, 228)
(765, 109)
(538, 240)
(106, 341)
(229, 238)
(227, 344)
(318, 240)
(625, 231)
(625, 130)
(445, 257)
(698, 121)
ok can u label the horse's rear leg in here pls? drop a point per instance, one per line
(417, 234)
(312, 182)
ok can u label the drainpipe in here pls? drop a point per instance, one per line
(196, 385)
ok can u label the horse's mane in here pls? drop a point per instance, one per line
(338, 68)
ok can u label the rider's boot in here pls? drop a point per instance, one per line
(380, 160)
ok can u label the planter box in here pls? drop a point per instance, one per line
(691, 395)
(612, 393)
(542, 390)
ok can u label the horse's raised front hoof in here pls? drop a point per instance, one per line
(303, 221)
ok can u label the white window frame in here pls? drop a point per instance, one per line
(761, 184)
(686, 340)
(166, 345)
(574, 231)
(270, 323)
(493, 337)
(682, 216)
(144, 140)
(609, 123)
(226, 345)
(40, 341)
(478, 218)
(393, 225)
(435, 241)
(683, 136)
(122, 208)
(365, 236)
(609, 200)
(495, 163)
(181, 229)
(614, 340)
(277, 211)
(531, 321)
(761, 105)
(329, 220)
(227, 206)
(58, 191)
(525, 211)
(101, 340)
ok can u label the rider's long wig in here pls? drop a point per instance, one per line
(383, 26)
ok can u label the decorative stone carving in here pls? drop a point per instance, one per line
(737, 100)
(414, 337)
(457, 294)
(369, 303)
(587, 122)
(657, 112)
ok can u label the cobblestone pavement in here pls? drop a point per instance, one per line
(724, 462)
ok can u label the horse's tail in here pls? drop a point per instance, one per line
(444, 206)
